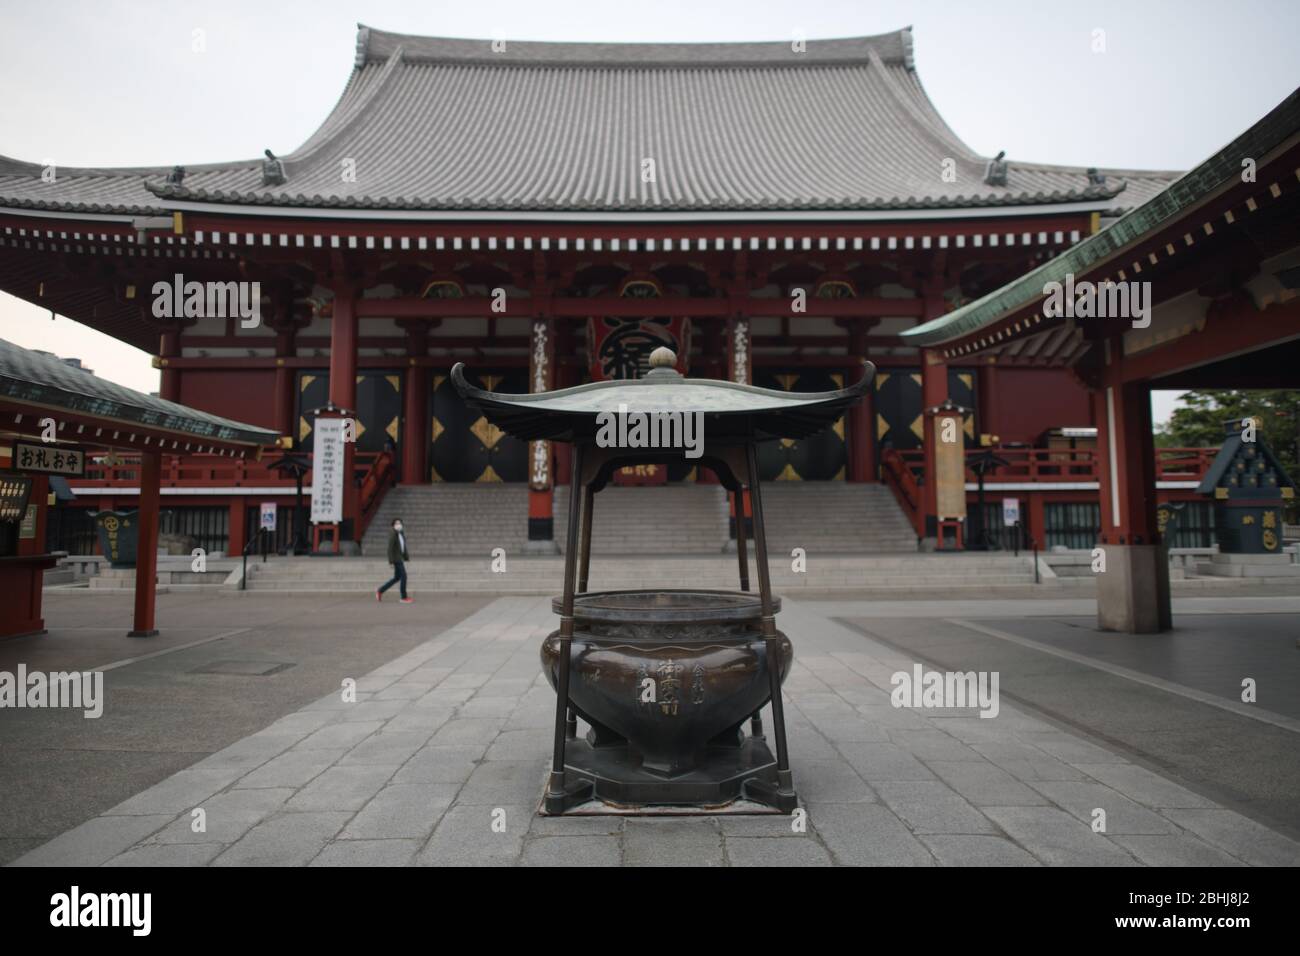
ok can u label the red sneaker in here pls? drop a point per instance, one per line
(408, 600)
(379, 595)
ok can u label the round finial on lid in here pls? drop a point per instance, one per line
(663, 357)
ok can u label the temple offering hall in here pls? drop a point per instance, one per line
(550, 214)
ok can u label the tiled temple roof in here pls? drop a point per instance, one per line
(47, 382)
(440, 124)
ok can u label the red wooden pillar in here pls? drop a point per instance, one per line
(988, 414)
(934, 391)
(146, 549)
(1038, 519)
(343, 391)
(284, 349)
(1133, 590)
(169, 388)
(415, 460)
(860, 433)
(1127, 464)
(236, 534)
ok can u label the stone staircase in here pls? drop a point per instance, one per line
(914, 575)
(835, 517)
(667, 521)
(449, 518)
(822, 517)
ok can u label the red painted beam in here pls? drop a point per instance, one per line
(1231, 328)
(409, 307)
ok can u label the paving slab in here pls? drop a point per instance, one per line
(442, 757)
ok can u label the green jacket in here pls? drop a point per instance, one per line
(395, 551)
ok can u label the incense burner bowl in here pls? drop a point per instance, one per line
(669, 675)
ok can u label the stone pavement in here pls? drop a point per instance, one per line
(454, 735)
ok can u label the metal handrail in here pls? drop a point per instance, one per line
(257, 536)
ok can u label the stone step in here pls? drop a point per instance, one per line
(337, 568)
(687, 518)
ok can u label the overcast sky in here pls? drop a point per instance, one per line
(117, 83)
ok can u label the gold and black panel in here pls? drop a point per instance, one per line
(899, 420)
(379, 407)
(819, 458)
(465, 445)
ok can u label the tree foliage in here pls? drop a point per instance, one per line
(1198, 421)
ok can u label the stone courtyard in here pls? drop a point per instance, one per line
(442, 758)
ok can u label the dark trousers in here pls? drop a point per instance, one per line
(399, 575)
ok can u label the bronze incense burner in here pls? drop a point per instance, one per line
(666, 679)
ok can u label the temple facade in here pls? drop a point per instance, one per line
(549, 214)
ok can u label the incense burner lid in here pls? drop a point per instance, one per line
(665, 606)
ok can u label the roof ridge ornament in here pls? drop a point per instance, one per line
(363, 45)
(273, 170)
(995, 170)
(909, 60)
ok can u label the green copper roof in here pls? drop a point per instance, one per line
(39, 379)
(1165, 207)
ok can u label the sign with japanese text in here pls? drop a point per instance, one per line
(49, 459)
(327, 472)
(541, 376)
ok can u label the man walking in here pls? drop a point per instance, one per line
(397, 557)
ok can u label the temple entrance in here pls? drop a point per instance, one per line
(898, 406)
(465, 445)
(822, 457)
(379, 407)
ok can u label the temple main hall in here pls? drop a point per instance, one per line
(549, 214)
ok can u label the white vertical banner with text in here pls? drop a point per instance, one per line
(327, 472)
(541, 375)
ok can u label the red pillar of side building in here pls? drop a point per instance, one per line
(343, 391)
(934, 391)
(146, 549)
(237, 527)
(1133, 588)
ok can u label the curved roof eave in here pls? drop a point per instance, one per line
(1261, 139)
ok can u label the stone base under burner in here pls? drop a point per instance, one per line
(613, 775)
